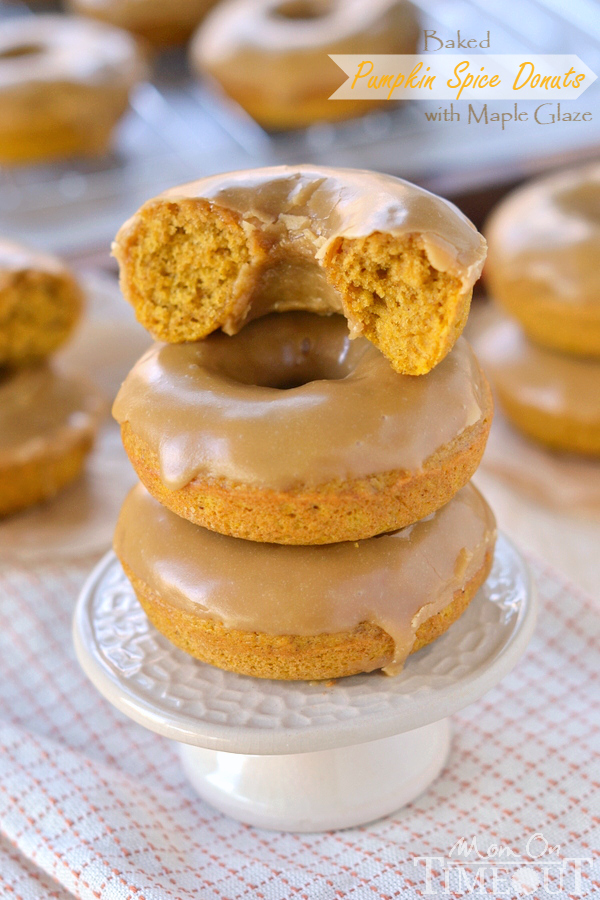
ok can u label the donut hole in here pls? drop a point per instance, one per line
(582, 201)
(309, 348)
(303, 10)
(22, 50)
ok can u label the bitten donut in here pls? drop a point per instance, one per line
(48, 421)
(397, 261)
(272, 56)
(290, 433)
(549, 396)
(64, 83)
(40, 303)
(305, 612)
(542, 267)
(156, 21)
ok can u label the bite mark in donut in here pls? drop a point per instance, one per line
(398, 262)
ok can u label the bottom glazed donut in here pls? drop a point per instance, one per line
(300, 613)
(48, 422)
(551, 397)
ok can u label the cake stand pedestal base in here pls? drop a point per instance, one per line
(304, 756)
(323, 790)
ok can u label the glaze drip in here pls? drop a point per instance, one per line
(396, 581)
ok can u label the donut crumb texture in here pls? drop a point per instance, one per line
(411, 311)
(179, 265)
(38, 311)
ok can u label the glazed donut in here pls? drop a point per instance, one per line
(305, 612)
(272, 56)
(64, 83)
(291, 433)
(552, 398)
(544, 248)
(48, 421)
(158, 22)
(40, 303)
(399, 262)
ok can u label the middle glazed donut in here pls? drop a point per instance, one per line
(291, 433)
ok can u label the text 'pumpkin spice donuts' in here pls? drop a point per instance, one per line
(290, 432)
(305, 612)
(398, 262)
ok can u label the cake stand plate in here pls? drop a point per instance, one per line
(304, 756)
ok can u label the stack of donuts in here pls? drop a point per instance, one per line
(543, 269)
(306, 427)
(48, 419)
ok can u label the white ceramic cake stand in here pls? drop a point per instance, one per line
(303, 756)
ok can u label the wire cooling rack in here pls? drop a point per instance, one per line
(179, 129)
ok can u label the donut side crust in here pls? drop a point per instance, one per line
(557, 432)
(572, 328)
(39, 479)
(162, 26)
(336, 511)
(73, 122)
(293, 657)
(38, 312)
(188, 267)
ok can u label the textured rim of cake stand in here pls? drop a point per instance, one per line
(159, 686)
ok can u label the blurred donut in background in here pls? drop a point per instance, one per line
(271, 56)
(48, 418)
(543, 264)
(48, 422)
(551, 397)
(543, 270)
(160, 23)
(64, 84)
(40, 304)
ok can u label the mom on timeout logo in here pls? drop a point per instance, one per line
(469, 868)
